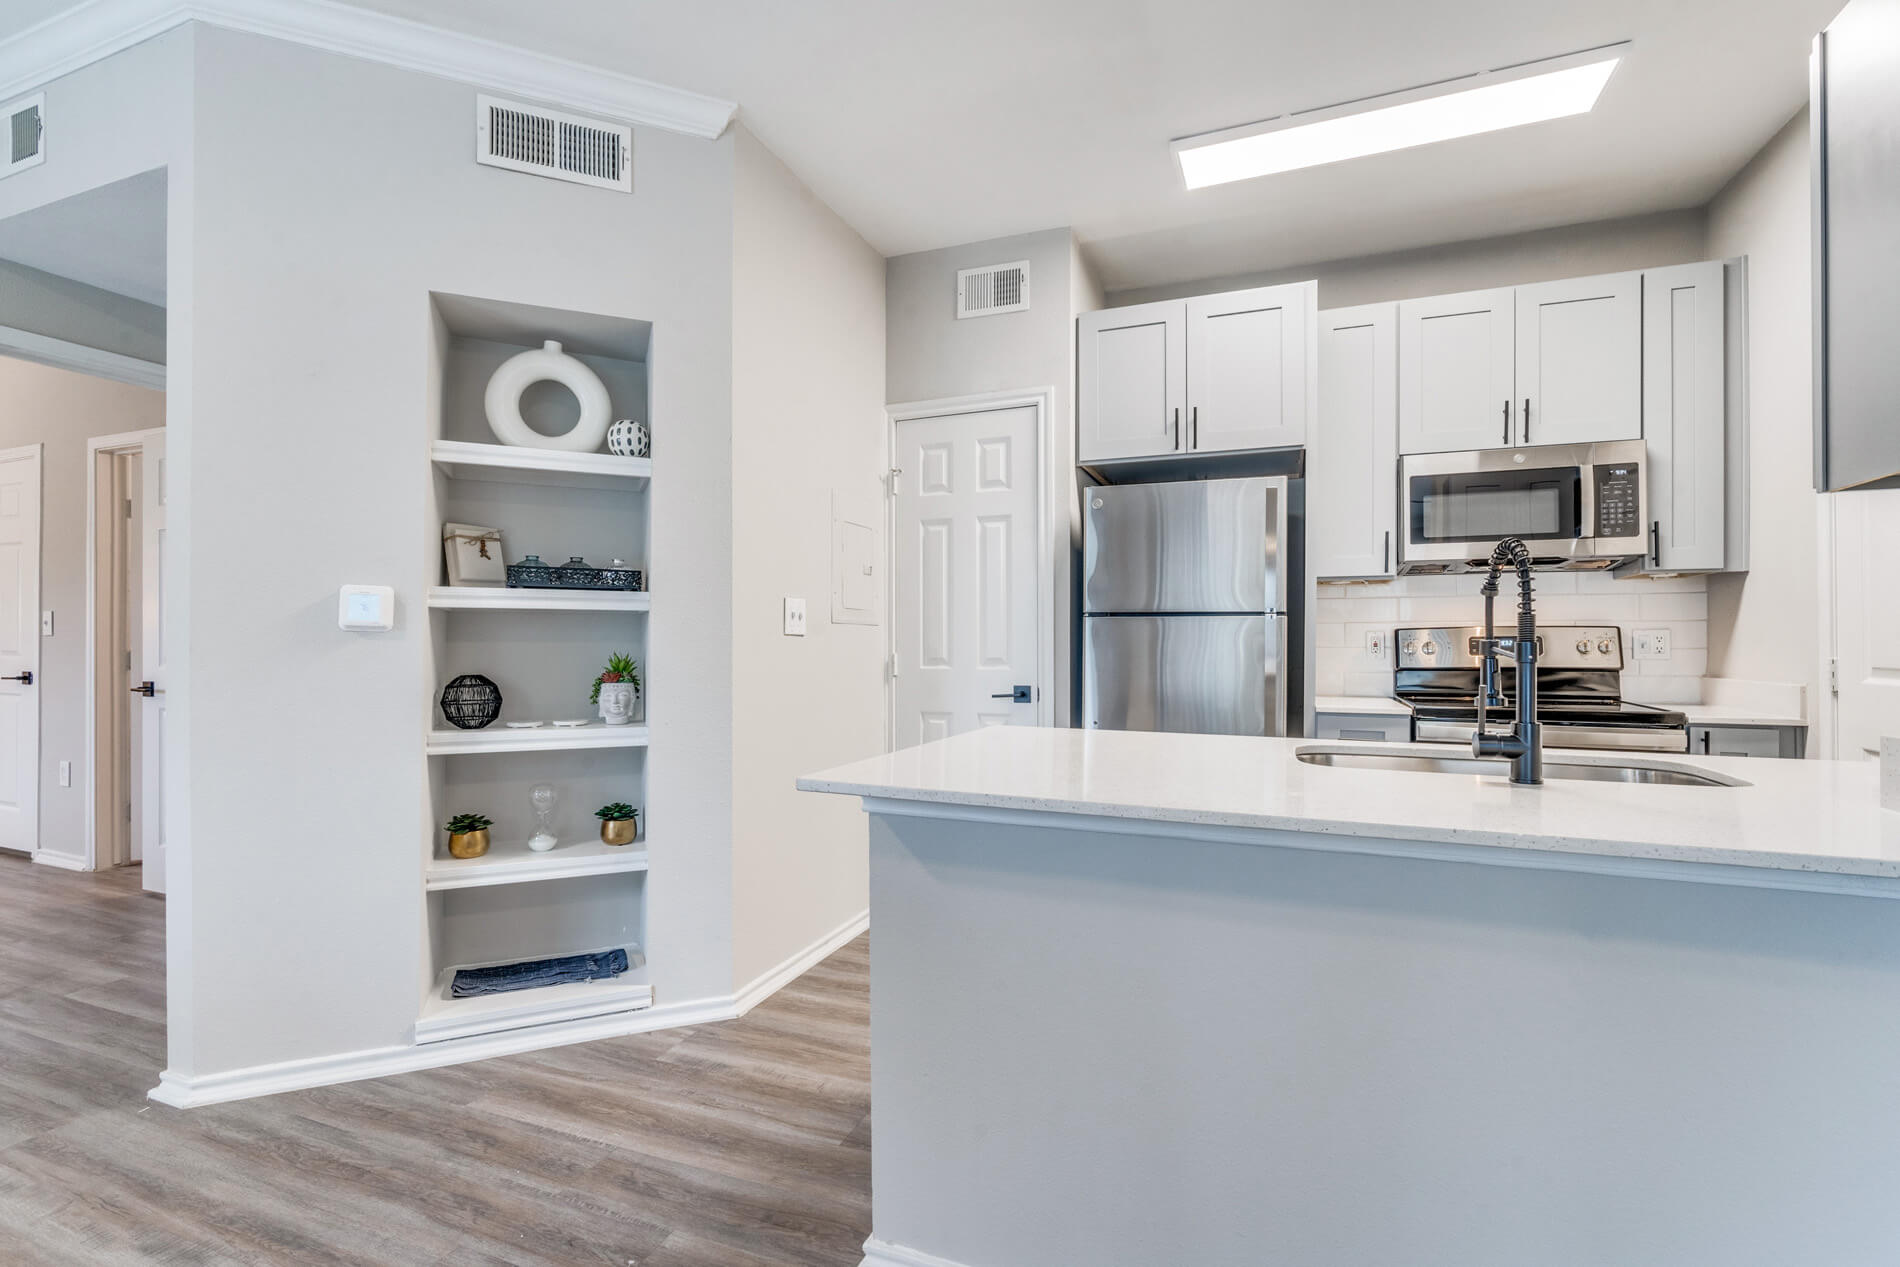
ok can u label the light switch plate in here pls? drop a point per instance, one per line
(65, 774)
(794, 617)
(1650, 644)
(366, 608)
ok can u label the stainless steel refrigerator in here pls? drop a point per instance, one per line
(1192, 607)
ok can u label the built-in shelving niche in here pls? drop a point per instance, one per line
(542, 649)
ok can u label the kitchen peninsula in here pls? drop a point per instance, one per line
(1143, 998)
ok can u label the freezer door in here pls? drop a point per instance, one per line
(1196, 675)
(1202, 546)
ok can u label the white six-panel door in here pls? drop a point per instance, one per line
(150, 718)
(1457, 378)
(964, 539)
(20, 648)
(1866, 621)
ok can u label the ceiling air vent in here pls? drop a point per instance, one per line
(996, 288)
(524, 138)
(24, 137)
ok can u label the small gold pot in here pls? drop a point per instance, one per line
(618, 831)
(468, 844)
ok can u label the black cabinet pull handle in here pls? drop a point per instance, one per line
(1655, 543)
(1194, 427)
(1527, 420)
(1387, 565)
(1705, 743)
(1177, 426)
(1507, 424)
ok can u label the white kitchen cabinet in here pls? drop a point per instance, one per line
(1457, 378)
(1579, 360)
(1352, 466)
(1249, 355)
(1685, 415)
(1131, 391)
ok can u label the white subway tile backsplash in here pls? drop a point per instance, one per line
(1679, 604)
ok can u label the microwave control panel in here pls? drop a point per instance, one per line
(1619, 503)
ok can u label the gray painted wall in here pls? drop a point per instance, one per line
(62, 410)
(1123, 1051)
(930, 355)
(1765, 624)
(63, 309)
(1577, 250)
(807, 426)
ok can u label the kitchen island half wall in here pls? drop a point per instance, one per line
(1145, 998)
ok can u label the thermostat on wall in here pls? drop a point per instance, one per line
(366, 607)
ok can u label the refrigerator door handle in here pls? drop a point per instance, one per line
(1282, 702)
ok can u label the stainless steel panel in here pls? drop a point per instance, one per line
(1558, 646)
(1199, 675)
(1202, 546)
(1610, 738)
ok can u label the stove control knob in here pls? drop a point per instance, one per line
(1430, 648)
(1410, 647)
(1583, 646)
(1603, 645)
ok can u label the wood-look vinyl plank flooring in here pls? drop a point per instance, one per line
(745, 1144)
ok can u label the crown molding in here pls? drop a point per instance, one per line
(97, 29)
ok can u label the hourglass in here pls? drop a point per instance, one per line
(543, 797)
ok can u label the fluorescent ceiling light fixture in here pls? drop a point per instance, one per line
(1531, 93)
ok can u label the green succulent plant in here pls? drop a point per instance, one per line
(620, 668)
(619, 811)
(462, 824)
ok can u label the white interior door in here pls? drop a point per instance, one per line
(1866, 622)
(965, 571)
(20, 649)
(151, 719)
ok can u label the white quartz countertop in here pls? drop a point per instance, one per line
(1815, 818)
(1360, 705)
(1733, 715)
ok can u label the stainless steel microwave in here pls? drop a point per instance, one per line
(1579, 507)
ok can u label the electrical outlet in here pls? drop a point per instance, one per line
(1375, 644)
(794, 617)
(65, 774)
(1650, 644)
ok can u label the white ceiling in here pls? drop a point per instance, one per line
(112, 237)
(928, 123)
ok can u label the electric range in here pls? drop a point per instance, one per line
(1579, 690)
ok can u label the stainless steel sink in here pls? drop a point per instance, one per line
(1554, 768)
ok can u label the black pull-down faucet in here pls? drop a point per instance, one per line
(1524, 742)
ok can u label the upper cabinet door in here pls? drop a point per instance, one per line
(1131, 393)
(1456, 375)
(1685, 414)
(1579, 360)
(1352, 464)
(1251, 356)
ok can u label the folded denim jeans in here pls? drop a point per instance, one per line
(534, 973)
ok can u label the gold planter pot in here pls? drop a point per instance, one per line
(619, 831)
(468, 844)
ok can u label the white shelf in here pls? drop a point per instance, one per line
(496, 598)
(514, 863)
(498, 738)
(444, 1018)
(509, 464)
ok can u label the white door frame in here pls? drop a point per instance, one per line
(1042, 400)
(124, 442)
(31, 618)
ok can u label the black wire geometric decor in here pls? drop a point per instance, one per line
(471, 701)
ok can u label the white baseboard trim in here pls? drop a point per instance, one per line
(185, 1092)
(64, 861)
(772, 980)
(885, 1254)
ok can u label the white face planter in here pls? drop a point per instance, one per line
(616, 703)
(502, 402)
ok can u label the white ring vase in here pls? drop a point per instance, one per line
(516, 374)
